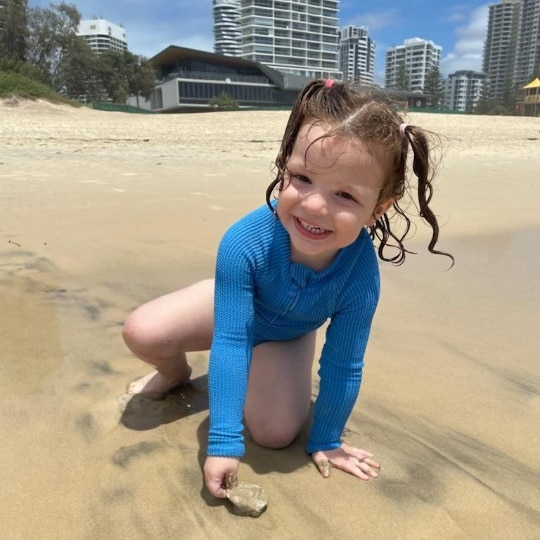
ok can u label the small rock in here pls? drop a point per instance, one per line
(247, 499)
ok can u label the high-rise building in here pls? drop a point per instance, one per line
(356, 54)
(293, 36)
(512, 47)
(103, 35)
(413, 59)
(527, 57)
(500, 47)
(463, 90)
(226, 27)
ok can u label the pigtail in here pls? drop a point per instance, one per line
(383, 233)
(424, 171)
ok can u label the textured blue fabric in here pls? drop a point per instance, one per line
(261, 296)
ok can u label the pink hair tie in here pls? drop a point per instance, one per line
(328, 83)
(402, 128)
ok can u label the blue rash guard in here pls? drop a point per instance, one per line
(260, 295)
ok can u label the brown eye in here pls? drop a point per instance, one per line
(300, 178)
(347, 196)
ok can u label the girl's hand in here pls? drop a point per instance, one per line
(216, 470)
(352, 460)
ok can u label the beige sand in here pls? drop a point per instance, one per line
(100, 212)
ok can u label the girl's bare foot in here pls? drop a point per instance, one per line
(156, 384)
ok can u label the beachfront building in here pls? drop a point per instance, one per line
(188, 79)
(414, 59)
(356, 54)
(463, 90)
(527, 56)
(499, 48)
(512, 47)
(103, 35)
(226, 27)
(291, 36)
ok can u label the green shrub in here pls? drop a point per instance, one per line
(16, 85)
(224, 102)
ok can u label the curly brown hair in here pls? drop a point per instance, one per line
(372, 118)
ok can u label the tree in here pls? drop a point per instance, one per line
(53, 53)
(402, 77)
(13, 30)
(123, 74)
(52, 32)
(78, 72)
(143, 78)
(434, 86)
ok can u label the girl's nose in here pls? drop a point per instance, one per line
(314, 202)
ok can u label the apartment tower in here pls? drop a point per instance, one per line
(356, 55)
(527, 57)
(416, 57)
(512, 47)
(226, 27)
(293, 36)
(103, 35)
(463, 90)
(500, 47)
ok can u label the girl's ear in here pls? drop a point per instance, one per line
(379, 210)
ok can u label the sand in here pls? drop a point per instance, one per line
(101, 211)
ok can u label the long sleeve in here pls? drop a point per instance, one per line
(230, 355)
(341, 366)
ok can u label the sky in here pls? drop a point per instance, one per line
(459, 27)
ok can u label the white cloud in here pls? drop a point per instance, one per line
(469, 48)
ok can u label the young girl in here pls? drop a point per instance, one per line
(284, 270)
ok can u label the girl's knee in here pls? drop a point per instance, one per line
(273, 438)
(139, 334)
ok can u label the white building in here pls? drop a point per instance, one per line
(293, 36)
(356, 54)
(417, 56)
(103, 35)
(226, 27)
(463, 90)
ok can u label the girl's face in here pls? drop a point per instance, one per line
(330, 193)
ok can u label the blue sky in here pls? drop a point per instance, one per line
(458, 27)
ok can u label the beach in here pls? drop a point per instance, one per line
(102, 211)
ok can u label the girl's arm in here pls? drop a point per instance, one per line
(341, 365)
(340, 378)
(342, 358)
(230, 354)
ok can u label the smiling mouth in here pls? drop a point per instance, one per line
(310, 230)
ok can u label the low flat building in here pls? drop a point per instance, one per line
(188, 79)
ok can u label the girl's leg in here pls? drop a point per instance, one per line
(279, 391)
(161, 331)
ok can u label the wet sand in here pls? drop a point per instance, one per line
(102, 211)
